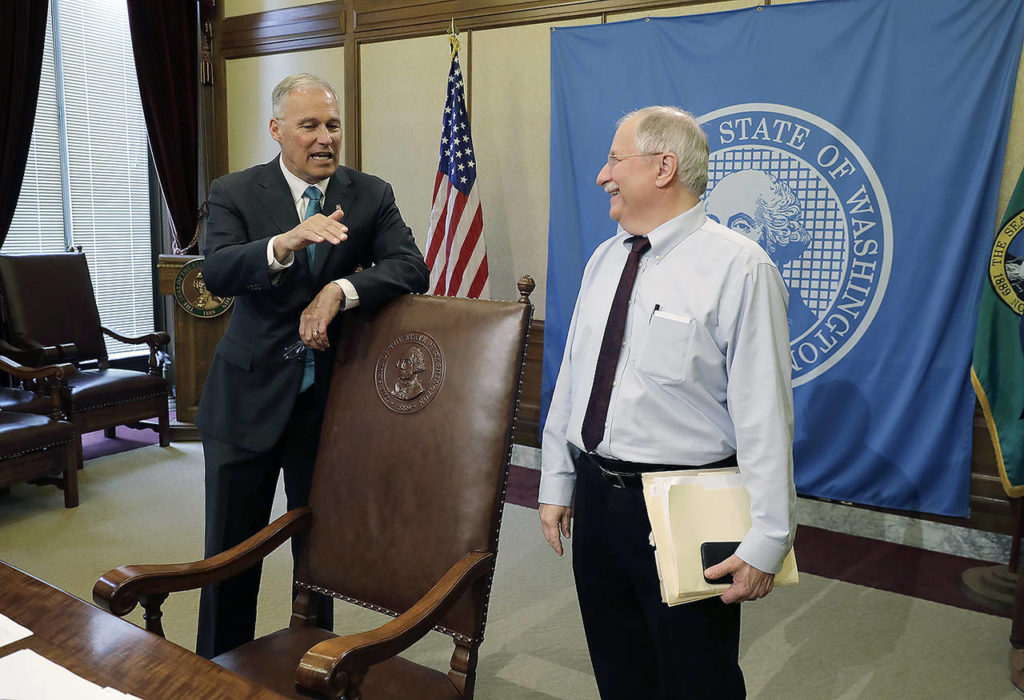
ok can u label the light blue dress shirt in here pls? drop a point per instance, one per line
(704, 371)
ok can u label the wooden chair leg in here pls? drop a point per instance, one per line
(164, 428)
(71, 466)
(463, 668)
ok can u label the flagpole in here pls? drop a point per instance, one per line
(453, 38)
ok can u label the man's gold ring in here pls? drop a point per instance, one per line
(316, 334)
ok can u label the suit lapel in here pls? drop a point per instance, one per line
(277, 198)
(339, 194)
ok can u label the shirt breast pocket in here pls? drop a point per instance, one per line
(666, 352)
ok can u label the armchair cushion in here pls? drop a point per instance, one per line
(21, 433)
(271, 661)
(24, 401)
(109, 387)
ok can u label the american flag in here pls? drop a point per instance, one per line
(456, 254)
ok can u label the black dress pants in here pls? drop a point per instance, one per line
(240, 488)
(641, 648)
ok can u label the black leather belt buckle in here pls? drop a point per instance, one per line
(619, 480)
(614, 479)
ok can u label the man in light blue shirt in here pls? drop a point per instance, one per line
(702, 377)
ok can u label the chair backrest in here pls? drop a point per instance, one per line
(414, 453)
(49, 299)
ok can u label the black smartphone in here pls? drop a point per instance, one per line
(712, 553)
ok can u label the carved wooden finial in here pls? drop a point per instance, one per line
(526, 285)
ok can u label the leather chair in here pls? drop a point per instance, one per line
(37, 448)
(404, 511)
(48, 300)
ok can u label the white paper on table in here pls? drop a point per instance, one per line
(11, 631)
(25, 675)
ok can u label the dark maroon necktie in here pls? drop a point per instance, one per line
(611, 345)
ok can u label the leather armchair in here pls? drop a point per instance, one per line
(48, 300)
(405, 506)
(40, 448)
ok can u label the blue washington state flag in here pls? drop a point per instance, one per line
(861, 142)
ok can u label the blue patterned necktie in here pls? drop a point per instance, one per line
(313, 194)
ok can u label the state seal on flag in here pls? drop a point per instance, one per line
(1006, 264)
(801, 188)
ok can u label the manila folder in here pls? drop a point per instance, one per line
(688, 508)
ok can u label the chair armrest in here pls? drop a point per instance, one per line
(29, 352)
(16, 369)
(119, 589)
(49, 378)
(154, 340)
(339, 664)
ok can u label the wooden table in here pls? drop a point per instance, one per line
(110, 651)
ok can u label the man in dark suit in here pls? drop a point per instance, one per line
(292, 270)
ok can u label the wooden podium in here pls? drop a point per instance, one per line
(200, 320)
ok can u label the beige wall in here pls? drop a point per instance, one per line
(249, 84)
(248, 7)
(402, 93)
(1014, 146)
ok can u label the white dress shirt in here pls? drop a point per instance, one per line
(704, 371)
(297, 186)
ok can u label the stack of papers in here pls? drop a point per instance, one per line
(25, 675)
(689, 508)
(11, 631)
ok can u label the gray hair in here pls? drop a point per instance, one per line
(673, 130)
(298, 81)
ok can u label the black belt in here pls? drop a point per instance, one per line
(629, 475)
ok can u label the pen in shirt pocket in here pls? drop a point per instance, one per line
(654, 311)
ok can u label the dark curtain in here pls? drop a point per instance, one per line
(22, 35)
(165, 44)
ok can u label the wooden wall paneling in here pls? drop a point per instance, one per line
(280, 31)
(527, 430)
(379, 19)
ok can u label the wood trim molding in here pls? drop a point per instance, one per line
(324, 24)
(353, 98)
(281, 31)
(388, 19)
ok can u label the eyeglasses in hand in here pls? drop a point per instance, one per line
(295, 350)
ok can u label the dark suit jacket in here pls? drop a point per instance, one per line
(250, 389)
